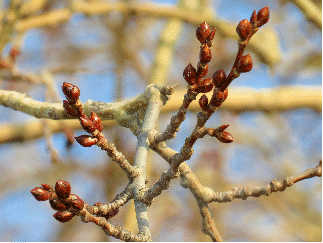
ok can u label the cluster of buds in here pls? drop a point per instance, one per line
(60, 199)
(73, 107)
(220, 134)
(194, 77)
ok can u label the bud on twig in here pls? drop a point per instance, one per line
(63, 216)
(225, 137)
(205, 86)
(40, 194)
(210, 37)
(243, 29)
(189, 74)
(96, 121)
(203, 101)
(86, 140)
(71, 91)
(69, 109)
(87, 124)
(202, 32)
(205, 54)
(63, 188)
(219, 78)
(253, 17)
(244, 64)
(47, 187)
(263, 16)
(58, 205)
(77, 204)
(222, 128)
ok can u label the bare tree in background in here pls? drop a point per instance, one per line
(180, 61)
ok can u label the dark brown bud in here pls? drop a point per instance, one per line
(202, 70)
(96, 121)
(86, 140)
(47, 187)
(219, 78)
(211, 35)
(244, 64)
(87, 124)
(63, 216)
(253, 18)
(69, 108)
(205, 86)
(205, 54)
(58, 205)
(202, 32)
(222, 128)
(63, 188)
(203, 101)
(77, 204)
(40, 194)
(225, 137)
(189, 74)
(97, 204)
(244, 29)
(263, 16)
(71, 91)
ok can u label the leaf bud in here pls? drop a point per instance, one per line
(244, 29)
(87, 124)
(210, 37)
(58, 205)
(222, 128)
(218, 78)
(219, 95)
(63, 189)
(253, 18)
(69, 109)
(47, 187)
(63, 216)
(263, 16)
(40, 194)
(71, 91)
(244, 64)
(202, 32)
(205, 54)
(77, 204)
(189, 74)
(96, 121)
(205, 86)
(203, 101)
(86, 140)
(225, 137)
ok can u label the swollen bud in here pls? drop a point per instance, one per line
(203, 31)
(86, 140)
(77, 204)
(71, 91)
(87, 124)
(189, 74)
(40, 194)
(243, 29)
(205, 54)
(225, 137)
(203, 101)
(58, 205)
(68, 108)
(205, 86)
(63, 216)
(219, 78)
(263, 16)
(96, 121)
(63, 189)
(244, 64)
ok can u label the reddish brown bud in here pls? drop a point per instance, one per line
(219, 96)
(63, 216)
(63, 188)
(218, 78)
(253, 17)
(263, 16)
(203, 101)
(58, 205)
(203, 31)
(69, 108)
(47, 187)
(96, 121)
(205, 54)
(222, 128)
(97, 204)
(244, 29)
(225, 137)
(189, 74)
(40, 194)
(71, 91)
(244, 64)
(87, 124)
(202, 70)
(206, 85)
(211, 35)
(77, 204)
(86, 140)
